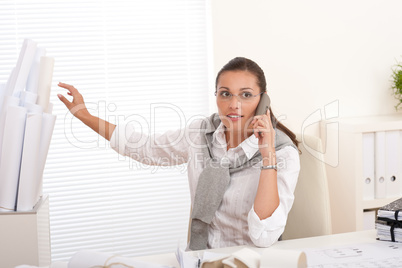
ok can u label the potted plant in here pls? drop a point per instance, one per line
(397, 83)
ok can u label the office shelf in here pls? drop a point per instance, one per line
(345, 176)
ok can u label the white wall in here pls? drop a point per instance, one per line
(315, 52)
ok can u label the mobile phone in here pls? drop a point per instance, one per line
(263, 105)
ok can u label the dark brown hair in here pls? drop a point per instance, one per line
(244, 64)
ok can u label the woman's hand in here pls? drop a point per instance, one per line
(265, 134)
(267, 197)
(77, 106)
(78, 109)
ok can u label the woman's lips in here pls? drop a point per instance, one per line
(234, 117)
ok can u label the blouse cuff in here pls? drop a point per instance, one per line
(273, 223)
(120, 137)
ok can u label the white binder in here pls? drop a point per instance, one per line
(380, 184)
(368, 166)
(393, 164)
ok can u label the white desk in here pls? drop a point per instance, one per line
(311, 242)
(328, 240)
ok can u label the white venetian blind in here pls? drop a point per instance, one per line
(140, 61)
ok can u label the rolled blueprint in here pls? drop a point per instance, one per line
(7, 91)
(48, 121)
(246, 258)
(86, 258)
(7, 101)
(13, 140)
(2, 95)
(45, 81)
(33, 108)
(29, 175)
(4, 91)
(49, 109)
(278, 258)
(27, 97)
(33, 78)
(20, 74)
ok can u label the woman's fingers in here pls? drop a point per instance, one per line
(262, 127)
(260, 123)
(66, 86)
(65, 101)
(72, 90)
(259, 133)
(77, 105)
(264, 132)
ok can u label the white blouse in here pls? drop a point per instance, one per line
(235, 222)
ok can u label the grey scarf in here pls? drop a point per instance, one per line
(214, 180)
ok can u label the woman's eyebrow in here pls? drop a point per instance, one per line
(243, 88)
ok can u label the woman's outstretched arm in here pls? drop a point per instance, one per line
(78, 109)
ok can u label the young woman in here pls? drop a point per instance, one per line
(242, 168)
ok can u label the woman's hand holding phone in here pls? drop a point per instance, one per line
(265, 134)
(267, 197)
(263, 129)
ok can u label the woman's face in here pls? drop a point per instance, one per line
(236, 113)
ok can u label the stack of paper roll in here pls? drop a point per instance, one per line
(26, 127)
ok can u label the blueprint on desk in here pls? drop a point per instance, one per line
(376, 254)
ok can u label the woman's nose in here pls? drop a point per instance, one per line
(235, 103)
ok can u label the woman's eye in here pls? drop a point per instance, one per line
(225, 94)
(247, 95)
